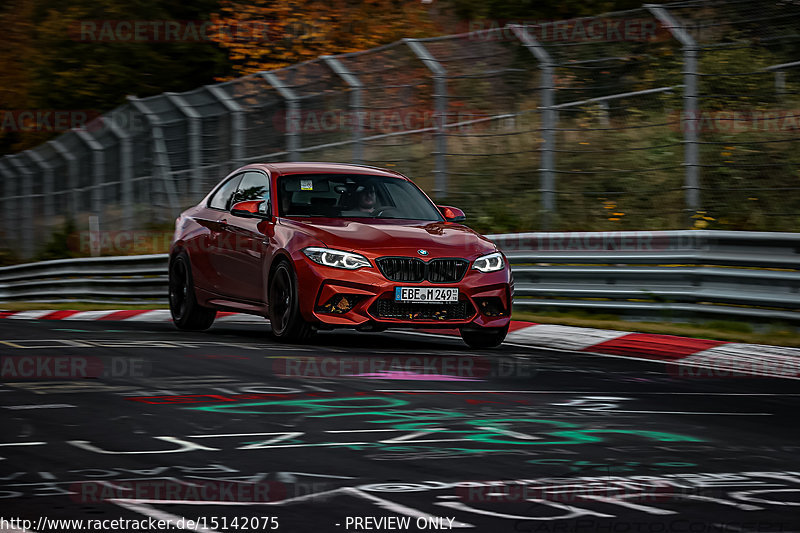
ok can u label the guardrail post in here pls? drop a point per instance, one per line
(10, 204)
(547, 182)
(98, 171)
(25, 220)
(292, 114)
(160, 154)
(237, 122)
(193, 133)
(355, 103)
(690, 119)
(440, 101)
(125, 170)
(72, 179)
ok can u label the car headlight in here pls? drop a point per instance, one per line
(489, 263)
(336, 258)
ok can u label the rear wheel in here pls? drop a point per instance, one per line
(187, 314)
(284, 307)
(484, 337)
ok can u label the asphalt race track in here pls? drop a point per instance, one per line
(228, 430)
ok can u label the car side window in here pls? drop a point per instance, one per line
(222, 198)
(254, 186)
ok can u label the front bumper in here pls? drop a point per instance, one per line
(352, 298)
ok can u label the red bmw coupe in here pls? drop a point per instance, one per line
(315, 246)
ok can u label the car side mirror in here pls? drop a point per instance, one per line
(452, 214)
(251, 209)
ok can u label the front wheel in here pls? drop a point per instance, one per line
(187, 314)
(284, 308)
(484, 337)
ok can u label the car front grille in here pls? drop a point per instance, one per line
(387, 308)
(414, 270)
(406, 269)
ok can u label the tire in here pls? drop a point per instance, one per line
(484, 337)
(187, 314)
(284, 307)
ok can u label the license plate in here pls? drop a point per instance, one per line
(432, 295)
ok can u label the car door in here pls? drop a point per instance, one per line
(241, 271)
(213, 254)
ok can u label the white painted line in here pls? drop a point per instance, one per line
(630, 393)
(296, 499)
(688, 413)
(39, 406)
(241, 434)
(359, 430)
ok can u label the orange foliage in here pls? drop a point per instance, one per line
(269, 34)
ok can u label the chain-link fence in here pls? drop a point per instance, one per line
(673, 116)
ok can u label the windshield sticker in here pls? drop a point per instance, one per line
(306, 185)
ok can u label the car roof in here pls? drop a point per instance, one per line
(321, 167)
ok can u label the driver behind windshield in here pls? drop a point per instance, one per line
(366, 199)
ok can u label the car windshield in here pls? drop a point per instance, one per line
(353, 196)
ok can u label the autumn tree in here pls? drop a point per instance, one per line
(298, 30)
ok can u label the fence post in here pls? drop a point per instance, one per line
(547, 182)
(292, 113)
(237, 122)
(125, 170)
(25, 220)
(690, 119)
(48, 200)
(72, 180)
(160, 155)
(10, 204)
(355, 103)
(193, 132)
(98, 167)
(440, 101)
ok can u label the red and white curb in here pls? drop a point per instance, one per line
(689, 357)
(128, 315)
(701, 358)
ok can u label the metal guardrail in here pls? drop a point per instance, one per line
(125, 279)
(658, 275)
(642, 274)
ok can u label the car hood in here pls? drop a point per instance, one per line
(439, 239)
